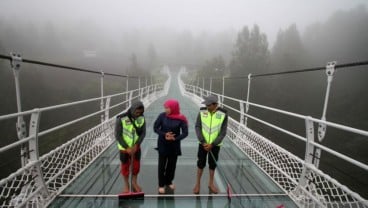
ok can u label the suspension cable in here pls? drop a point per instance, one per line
(66, 67)
(346, 65)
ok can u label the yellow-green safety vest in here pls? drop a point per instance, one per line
(211, 125)
(129, 134)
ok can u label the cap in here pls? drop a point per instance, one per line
(209, 100)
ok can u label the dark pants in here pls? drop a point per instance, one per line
(212, 159)
(166, 169)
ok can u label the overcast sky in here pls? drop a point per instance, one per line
(194, 15)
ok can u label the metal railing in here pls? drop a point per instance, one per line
(300, 178)
(42, 177)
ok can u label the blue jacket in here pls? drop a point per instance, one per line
(162, 125)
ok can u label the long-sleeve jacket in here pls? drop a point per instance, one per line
(221, 135)
(164, 124)
(119, 132)
(119, 129)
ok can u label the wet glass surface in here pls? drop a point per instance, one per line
(234, 168)
(178, 202)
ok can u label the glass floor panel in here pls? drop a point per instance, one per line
(100, 183)
(177, 202)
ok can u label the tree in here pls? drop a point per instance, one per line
(183, 48)
(1, 48)
(251, 54)
(152, 57)
(214, 67)
(134, 67)
(342, 37)
(51, 39)
(288, 51)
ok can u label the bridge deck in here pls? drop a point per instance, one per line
(101, 182)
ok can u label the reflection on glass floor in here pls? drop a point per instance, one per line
(178, 202)
(103, 177)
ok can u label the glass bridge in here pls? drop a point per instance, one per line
(85, 171)
(100, 183)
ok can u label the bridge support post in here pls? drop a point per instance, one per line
(309, 130)
(197, 88)
(308, 157)
(139, 88)
(126, 94)
(107, 109)
(306, 191)
(330, 69)
(210, 84)
(223, 91)
(130, 99)
(247, 104)
(202, 88)
(242, 116)
(21, 128)
(102, 94)
(36, 170)
(145, 86)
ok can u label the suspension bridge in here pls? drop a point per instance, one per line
(85, 171)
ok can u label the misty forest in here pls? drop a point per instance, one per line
(230, 53)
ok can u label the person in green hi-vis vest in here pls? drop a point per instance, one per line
(130, 130)
(210, 128)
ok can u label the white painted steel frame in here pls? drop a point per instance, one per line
(287, 176)
(21, 188)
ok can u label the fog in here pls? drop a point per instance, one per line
(192, 15)
(240, 36)
(171, 31)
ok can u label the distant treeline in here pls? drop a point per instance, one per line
(342, 38)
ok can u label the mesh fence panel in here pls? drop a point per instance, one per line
(304, 183)
(286, 170)
(61, 166)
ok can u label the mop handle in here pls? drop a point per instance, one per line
(228, 187)
(131, 172)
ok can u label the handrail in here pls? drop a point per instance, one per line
(308, 182)
(53, 107)
(42, 133)
(53, 178)
(296, 115)
(40, 178)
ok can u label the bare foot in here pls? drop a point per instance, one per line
(196, 189)
(172, 186)
(126, 189)
(161, 190)
(136, 188)
(213, 189)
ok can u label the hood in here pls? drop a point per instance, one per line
(135, 105)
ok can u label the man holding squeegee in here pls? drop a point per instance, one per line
(130, 130)
(210, 127)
